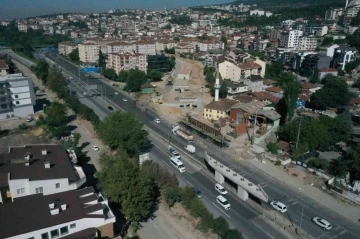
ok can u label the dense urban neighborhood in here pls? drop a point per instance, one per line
(231, 121)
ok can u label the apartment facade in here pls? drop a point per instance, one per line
(145, 47)
(119, 47)
(37, 169)
(89, 52)
(242, 71)
(210, 45)
(71, 214)
(65, 48)
(17, 97)
(161, 45)
(126, 61)
(307, 43)
(290, 39)
(342, 56)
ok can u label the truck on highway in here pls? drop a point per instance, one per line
(182, 133)
(174, 153)
(190, 148)
(139, 105)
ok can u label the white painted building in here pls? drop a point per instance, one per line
(119, 47)
(239, 72)
(290, 39)
(89, 52)
(307, 43)
(17, 97)
(71, 214)
(123, 62)
(210, 45)
(37, 169)
(144, 47)
(65, 48)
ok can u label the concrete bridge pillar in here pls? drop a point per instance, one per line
(243, 194)
(219, 177)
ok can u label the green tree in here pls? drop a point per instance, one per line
(233, 234)
(56, 120)
(41, 70)
(155, 75)
(274, 70)
(135, 80)
(327, 41)
(110, 74)
(272, 147)
(338, 168)
(161, 177)
(102, 60)
(357, 83)
(172, 196)
(122, 182)
(122, 77)
(223, 39)
(315, 77)
(334, 93)
(353, 163)
(223, 90)
(170, 51)
(356, 20)
(349, 67)
(181, 20)
(74, 55)
(123, 130)
(221, 226)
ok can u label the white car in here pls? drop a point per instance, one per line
(220, 189)
(157, 121)
(125, 99)
(95, 148)
(321, 223)
(116, 93)
(279, 206)
(29, 119)
(223, 202)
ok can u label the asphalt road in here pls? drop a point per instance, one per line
(300, 207)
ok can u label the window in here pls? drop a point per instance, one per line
(39, 190)
(73, 225)
(64, 230)
(17, 102)
(45, 236)
(54, 233)
(21, 191)
(57, 185)
(16, 96)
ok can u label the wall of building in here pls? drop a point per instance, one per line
(230, 71)
(214, 114)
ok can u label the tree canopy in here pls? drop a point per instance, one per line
(181, 20)
(122, 130)
(134, 80)
(155, 75)
(56, 120)
(74, 55)
(335, 93)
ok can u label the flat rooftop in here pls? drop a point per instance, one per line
(32, 213)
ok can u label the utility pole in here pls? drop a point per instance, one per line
(298, 134)
(253, 136)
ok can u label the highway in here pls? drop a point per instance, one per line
(242, 216)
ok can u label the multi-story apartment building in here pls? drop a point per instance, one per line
(37, 169)
(70, 214)
(309, 29)
(17, 96)
(161, 45)
(126, 61)
(144, 47)
(242, 71)
(333, 13)
(89, 52)
(119, 47)
(352, 9)
(65, 48)
(275, 34)
(342, 56)
(307, 43)
(290, 39)
(210, 45)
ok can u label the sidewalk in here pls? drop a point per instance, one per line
(342, 208)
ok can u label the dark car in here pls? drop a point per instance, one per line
(198, 193)
(110, 96)
(110, 108)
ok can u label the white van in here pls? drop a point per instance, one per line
(223, 202)
(190, 148)
(177, 164)
(220, 189)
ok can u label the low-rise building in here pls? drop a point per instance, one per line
(218, 109)
(235, 89)
(65, 48)
(17, 96)
(327, 71)
(126, 61)
(254, 83)
(69, 214)
(242, 71)
(210, 45)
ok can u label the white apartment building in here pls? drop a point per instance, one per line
(307, 43)
(17, 97)
(71, 214)
(37, 169)
(210, 45)
(239, 72)
(126, 61)
(65, 48)
(119, 47)
(290, 39)
(89, 52)
(333, 13)
(144, 47)
(162, 44)
(22, 27)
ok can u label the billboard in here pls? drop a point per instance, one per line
(90, 69)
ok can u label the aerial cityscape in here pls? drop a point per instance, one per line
(185, 120)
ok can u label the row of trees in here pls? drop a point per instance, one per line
(198, 210)
(54, 80)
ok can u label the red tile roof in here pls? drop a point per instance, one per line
(274, 89)
(263, 95)
(328, 70)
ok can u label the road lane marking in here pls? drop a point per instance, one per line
(220, 210)
(294, 203)
(189, 183)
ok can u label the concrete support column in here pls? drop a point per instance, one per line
(218, 177)
(243, 194)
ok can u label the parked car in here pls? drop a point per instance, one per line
(198, 193)
(95, 148)
(29, 119)
(322, 223)
(157, 121)
(116, 93)
(279, 206)
(110, 108)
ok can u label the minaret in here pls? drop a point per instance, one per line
(346, 4)
(217, 84)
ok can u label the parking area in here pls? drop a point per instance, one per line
(15, 122)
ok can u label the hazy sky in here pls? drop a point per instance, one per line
(26, 8)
